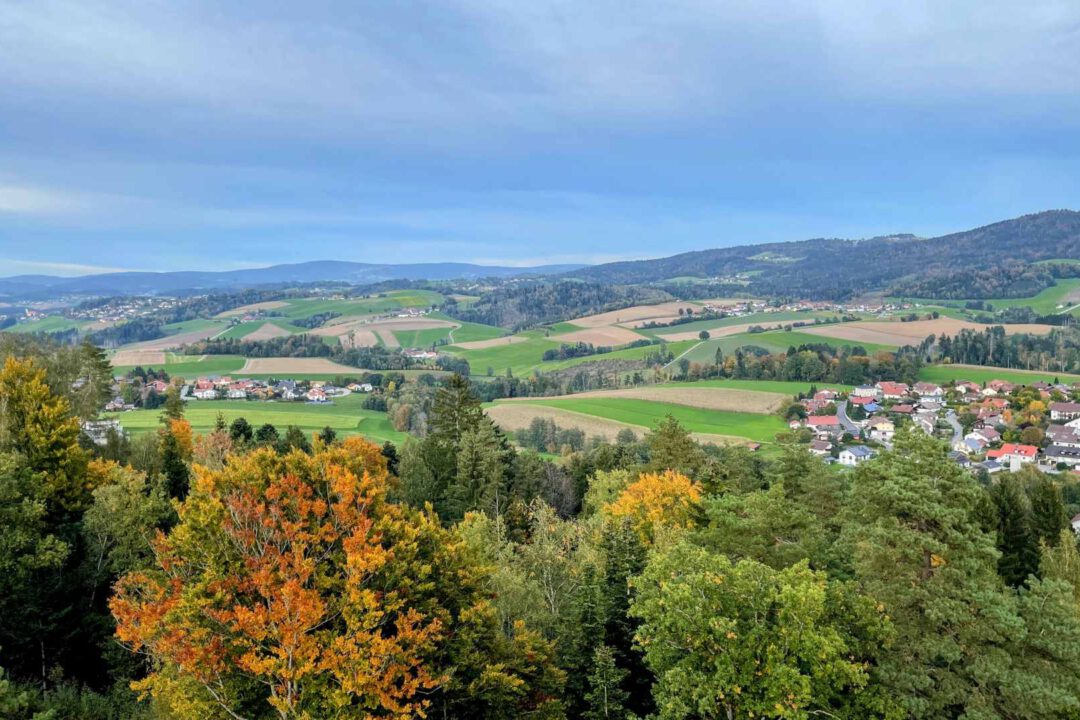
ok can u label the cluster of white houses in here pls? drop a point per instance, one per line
(886, 404)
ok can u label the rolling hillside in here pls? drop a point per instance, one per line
(838, 269)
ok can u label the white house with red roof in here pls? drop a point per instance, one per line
(205, 390)
(1013, 454)
(825, 425)
(893, 390)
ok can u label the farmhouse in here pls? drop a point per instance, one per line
(893, 390)
(824, 425)
(316, 394)
(866, 391)
(820, 447)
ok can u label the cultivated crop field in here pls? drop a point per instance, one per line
(294, 367)
(692, 395)
(646, 414)
(910, 333)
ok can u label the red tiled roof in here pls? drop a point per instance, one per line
(822, 420)
(1013, 449)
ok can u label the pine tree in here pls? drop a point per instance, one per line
(174, 405)
(606, 699)
(455, 411)
(1048, 517)
(1018, 545)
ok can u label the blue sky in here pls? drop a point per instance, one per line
(159, 135)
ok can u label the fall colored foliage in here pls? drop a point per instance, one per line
(654, 500)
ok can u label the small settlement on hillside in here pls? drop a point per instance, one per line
(998, 426)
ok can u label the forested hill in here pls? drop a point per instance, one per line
(836, 269)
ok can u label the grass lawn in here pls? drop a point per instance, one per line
(53, 323)
(752, 426)
(947, 373)
(344, 415)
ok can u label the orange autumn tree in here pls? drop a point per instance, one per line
(655, 500)
(293, 588)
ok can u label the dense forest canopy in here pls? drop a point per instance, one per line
(257, 573)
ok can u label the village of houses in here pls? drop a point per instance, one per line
(226, 388)
(1001, 426)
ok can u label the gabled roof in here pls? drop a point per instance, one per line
(859, 451)
(1029, 451)
(823, 420)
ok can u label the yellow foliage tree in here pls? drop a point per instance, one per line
(658, 500)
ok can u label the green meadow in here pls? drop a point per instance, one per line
(752, 426)
(53, 323)
(980, 374)
(773, 386)
(343, 415)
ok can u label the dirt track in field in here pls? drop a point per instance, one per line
(253, 307)
(709, 398)
(299, 366)
(517, 416)
(910, 333)
(266, 331)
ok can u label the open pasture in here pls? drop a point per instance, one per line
(943, 374)
(253, 308)
(343, 415)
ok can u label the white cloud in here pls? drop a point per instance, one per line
(23, 200)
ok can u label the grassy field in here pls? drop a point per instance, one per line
(468, 332)
(344, 415)
(635, 353)
(752, 426)
(191, 366)
(947, 373)
(773, 386)
(54, 323)
(764, 319)
(385, 302)
(519, 358)
(1044, 303)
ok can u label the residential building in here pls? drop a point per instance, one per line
(1013, 455)
(855, 455)
(1064, 411)
(881, 429)
(1060, 454)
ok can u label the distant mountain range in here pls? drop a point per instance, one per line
(837, 269)
(156, 283)
(998, 260)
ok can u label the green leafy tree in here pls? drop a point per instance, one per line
(241, 432)
(267, 434)
(173, 409)
(730, 640)
(672, 448)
